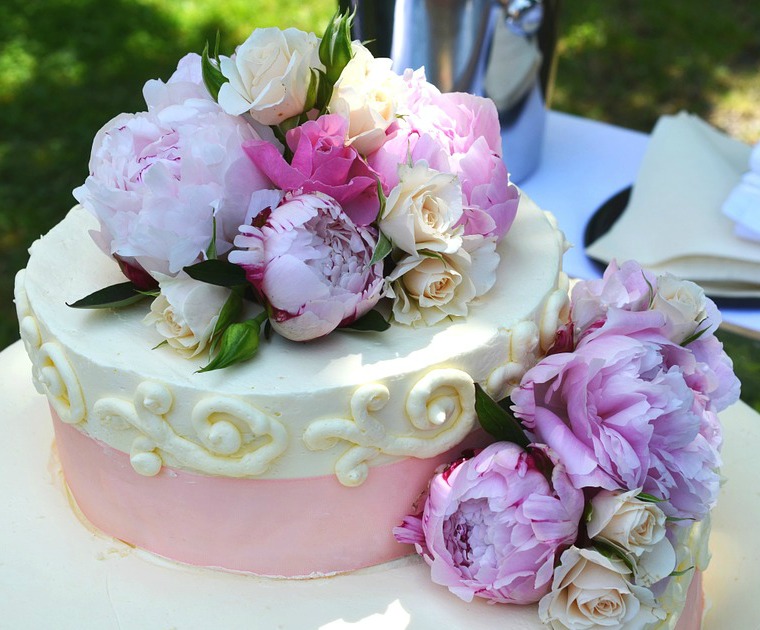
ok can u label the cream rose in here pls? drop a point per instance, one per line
(366, 94)
(684, 303)
(422, 210)
(427, 289)
(590, 590)
(636, 526)
(185, 312)
(269, 74)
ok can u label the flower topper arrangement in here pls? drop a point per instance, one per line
(304, 175)
(594, 502)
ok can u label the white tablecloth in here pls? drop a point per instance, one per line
(583, 164)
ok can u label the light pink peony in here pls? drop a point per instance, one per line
(457, 133)
(493, 526)
(309, 262)
(322, 163)
(629, 298)
(159, 178)
(630, 412)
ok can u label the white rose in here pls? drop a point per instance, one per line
(626, 521)
(366, 94)
(427, 289)
(685, 305)
(636, 526)
(269, 74)
(422, 210)
(590, 590)
(185, 312)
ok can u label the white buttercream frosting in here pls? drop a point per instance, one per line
(337, 405)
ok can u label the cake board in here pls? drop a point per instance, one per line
(56, 571)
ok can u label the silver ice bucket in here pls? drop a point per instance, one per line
(503, 49)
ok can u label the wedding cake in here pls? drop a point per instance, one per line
(342, 283)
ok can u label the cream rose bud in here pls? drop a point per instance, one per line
(185, 312)
(427, 289)
(269, 75)
(422, 210)
(366, 94)
(637, 526)
(626, 521)
(685, 306)
(590, 590)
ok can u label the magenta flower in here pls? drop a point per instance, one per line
(631, 412)
(321, 163)
(309, 262)
(494, 525)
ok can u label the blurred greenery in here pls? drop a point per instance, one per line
(68, 66)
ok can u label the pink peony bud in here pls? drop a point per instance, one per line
(309, 262)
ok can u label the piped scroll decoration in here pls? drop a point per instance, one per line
(238, 440)
(29, 330)
(528, 341)
(522, 345)
(440, 408)
(555, 313)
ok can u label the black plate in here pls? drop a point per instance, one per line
(605, 217)
(602, 221)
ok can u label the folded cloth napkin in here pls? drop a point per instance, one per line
(673, 221)
(743, 203)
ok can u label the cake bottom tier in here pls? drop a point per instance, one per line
(55, 571)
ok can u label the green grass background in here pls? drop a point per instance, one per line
(68, 66)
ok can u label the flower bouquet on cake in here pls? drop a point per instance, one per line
(595, 500)
(303, 175)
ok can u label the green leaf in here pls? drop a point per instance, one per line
(213, 78)
(324, 92)
(211, 249)
(694, 336)
(497, 421)
(588, 512)
(229, 312)
(371, 322)
(649, 498)
(313, 91)
(612, 550)
(115, 296)
(217, 272)
(239, 342)
(651, 290)
(382, 199)
(382, 249)
(683, 572)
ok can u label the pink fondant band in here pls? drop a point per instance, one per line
(693, 610)
(283, 527)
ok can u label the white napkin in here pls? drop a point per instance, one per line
(674, 222)
(743, 203)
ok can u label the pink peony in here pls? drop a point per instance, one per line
(159, 178)
(631, 412)
(309, 262)
(493, 526)
(457, 133)
(629, 298)
(321, 163)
